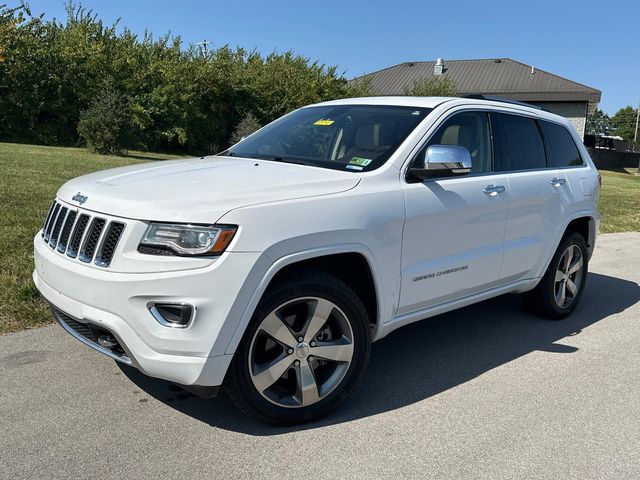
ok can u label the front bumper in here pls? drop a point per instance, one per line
(93, 336)
(117, 303)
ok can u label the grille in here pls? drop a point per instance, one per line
(80, 328)
(48, 219)
(78, 233)
(51, 218)
(81, 235)
(109, 244)
(62, 215)
(66, 231)
(88, 333)
(91, 242)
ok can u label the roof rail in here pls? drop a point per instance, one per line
(478, 96)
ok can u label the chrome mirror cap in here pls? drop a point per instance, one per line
(443, 160)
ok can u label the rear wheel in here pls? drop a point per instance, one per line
(305, 350)
(561, 287)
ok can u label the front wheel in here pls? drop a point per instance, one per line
(304, 351)
(561, 287)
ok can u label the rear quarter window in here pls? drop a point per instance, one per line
(562, 149)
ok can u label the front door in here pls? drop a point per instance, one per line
(452, 243)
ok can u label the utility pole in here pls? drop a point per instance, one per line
(203, 47)
(635, 137)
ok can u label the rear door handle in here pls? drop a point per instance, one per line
(493, 190)
(558, 182)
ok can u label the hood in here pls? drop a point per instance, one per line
(200, 190)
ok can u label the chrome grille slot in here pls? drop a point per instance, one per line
(48, 219)
(62, 215)
(104, 256)
(66, 231)
(78, 233)
(91, 242)
(54, 216)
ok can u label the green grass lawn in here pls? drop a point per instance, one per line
(29, 178)
(620, 201)
(31, 175)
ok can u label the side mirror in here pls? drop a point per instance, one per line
(442, 161)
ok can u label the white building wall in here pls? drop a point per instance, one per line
(575, 112)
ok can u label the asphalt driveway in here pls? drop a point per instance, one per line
(485, 392)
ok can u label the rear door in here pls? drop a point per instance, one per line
(539, 196)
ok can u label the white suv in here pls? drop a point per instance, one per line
(274, 265)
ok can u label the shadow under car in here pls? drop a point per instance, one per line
(426, 358)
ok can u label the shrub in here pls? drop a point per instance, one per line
(104, 126)
(432, 87)
(179, 99)
(246, 127)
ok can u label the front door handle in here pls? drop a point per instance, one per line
(493, 190)
(558, 182)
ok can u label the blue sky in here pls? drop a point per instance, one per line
(595, 43)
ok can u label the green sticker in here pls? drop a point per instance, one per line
(363, 162)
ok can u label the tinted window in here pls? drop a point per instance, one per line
(562, 149)
(521, 146)
(344, 137)
(469, 130)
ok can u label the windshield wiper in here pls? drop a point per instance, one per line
(275, 158)
(297, 161)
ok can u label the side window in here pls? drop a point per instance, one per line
(562, 149)
(469, 130)
(521, 146)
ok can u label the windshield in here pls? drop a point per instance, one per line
(341, 137)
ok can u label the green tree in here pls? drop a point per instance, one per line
(432, 87)
(360, 87)
(598, 123)
(105, 124)
(178, 99)
(624, 123)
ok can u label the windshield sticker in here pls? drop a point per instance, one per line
(354, 167)
(363, 162)
(324, 122)
(415, 112)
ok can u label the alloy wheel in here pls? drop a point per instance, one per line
(300, 352)
(569, 276)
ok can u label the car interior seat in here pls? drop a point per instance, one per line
(368, 142)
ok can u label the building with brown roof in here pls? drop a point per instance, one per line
(502, 77)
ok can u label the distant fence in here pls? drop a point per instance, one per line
(598, 141)
(611, 159)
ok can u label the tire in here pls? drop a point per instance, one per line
(314, 370)
(547, 299)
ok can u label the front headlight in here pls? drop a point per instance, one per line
(184, 239)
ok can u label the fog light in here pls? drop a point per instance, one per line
(175, 315)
